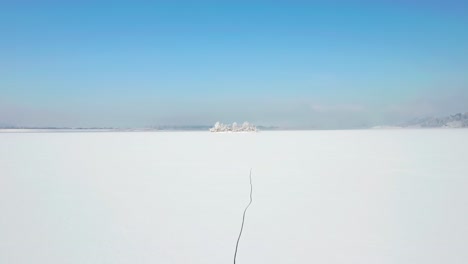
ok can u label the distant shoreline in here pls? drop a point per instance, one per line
(83, 130)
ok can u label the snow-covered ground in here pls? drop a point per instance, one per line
(362, 196)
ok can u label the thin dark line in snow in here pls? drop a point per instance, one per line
(243, 216)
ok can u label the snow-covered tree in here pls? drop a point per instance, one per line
(219, 127)
(246, 127)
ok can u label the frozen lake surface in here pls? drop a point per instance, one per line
(363, 196)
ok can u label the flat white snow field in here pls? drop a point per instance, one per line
(358, 196)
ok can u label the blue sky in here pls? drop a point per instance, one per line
(308, 64)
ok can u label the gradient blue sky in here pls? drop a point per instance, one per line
(310, 64)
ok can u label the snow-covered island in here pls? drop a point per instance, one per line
(459, 120)
(245, 127)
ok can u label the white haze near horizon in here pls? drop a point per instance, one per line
(359, 196)
(301, 112)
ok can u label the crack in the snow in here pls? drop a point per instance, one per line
(243, 217)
